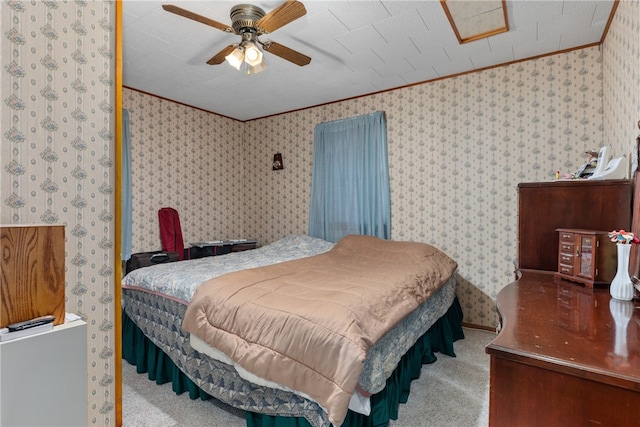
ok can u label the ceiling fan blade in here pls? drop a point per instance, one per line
(218, 58)
(280, 16)
(202, 19)
(287, 53)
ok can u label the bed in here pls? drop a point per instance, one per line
(158, 301)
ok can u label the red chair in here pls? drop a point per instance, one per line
(171, 232)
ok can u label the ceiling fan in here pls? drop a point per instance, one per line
(251, 22)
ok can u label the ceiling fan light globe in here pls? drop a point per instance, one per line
(258, 68)
(235, 58)
(253, 55)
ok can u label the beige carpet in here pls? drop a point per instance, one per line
(450, 392)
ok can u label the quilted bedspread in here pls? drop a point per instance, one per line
(308, 323)
(179, 280)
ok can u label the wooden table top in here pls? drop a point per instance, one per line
(565, 327)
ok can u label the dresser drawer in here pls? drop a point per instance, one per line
(567, 236)
(567, 247)
(565, 269)
(566, 258)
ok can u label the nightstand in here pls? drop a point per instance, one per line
(221, 247)
(244, 246)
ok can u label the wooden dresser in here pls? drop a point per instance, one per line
(543, 207)
(561, 358)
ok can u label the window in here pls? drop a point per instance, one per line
(350, 183)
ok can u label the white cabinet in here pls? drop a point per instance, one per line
(43, 378)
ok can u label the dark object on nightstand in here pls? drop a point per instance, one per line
(221, 247)
(145, 259)
(208, 250)
(239, 247)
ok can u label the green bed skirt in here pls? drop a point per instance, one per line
(138, 350)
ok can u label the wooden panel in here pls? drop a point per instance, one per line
(32, 268)
(561, 359)
(530, 310)
(547, 206)
(523, 395)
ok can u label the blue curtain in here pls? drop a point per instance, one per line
(350, 183)
(126, 186)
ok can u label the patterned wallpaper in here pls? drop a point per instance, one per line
(621, 69)
(186, 159)
(457, 150)
(458, 147)
(57, 155)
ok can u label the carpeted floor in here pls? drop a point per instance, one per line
(450, 392)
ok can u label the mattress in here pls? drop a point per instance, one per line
(160, 321)
(158, 309)
(309, 323)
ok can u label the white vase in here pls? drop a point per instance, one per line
(621, 286)
(621, 311)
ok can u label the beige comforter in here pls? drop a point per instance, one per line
(308, 323)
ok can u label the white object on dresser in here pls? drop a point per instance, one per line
(43, 378)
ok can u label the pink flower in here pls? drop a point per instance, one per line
(623, 237)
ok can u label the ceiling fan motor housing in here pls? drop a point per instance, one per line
(245, 16)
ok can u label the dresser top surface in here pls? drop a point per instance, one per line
(576, 183)
(564, 326)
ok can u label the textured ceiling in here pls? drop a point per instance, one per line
(357, 48)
